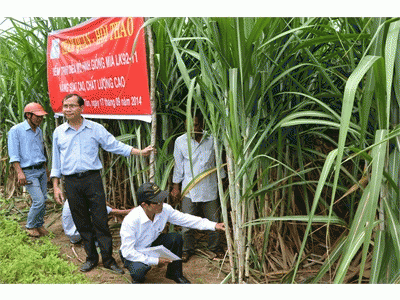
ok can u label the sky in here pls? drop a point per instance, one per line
(170, 8)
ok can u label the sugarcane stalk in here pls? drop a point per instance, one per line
(231, 179)
(224, 208)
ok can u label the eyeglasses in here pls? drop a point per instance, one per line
(37, 116)
(73, 106)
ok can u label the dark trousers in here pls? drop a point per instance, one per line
(210, 211)
(173, 242)
(87, 202)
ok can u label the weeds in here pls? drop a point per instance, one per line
(23, 260)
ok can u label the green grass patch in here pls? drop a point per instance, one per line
(23, 260)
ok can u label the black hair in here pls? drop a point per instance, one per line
(197, 114)
(81, 102)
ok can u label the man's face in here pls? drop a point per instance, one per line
(197, 127)
(154, 208)
(34, 119)
(71, 109)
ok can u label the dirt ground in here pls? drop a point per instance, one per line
(201, 268)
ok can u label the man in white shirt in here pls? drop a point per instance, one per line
(143, 226)
(203, 197)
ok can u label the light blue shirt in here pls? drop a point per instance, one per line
(76, 151)
(138, 232)
(203, 158)
(26, 146)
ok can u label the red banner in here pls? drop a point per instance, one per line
(95, 60)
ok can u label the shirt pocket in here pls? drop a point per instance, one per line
(90, 146)
(207, 159)
(90, 150)
(158, 229)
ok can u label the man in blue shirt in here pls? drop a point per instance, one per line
(75, 156)
(27, 155)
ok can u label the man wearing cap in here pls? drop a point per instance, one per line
(27, 155)
(76, 146)
(143, 226)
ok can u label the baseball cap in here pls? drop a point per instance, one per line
(150, 192)
(35, 108)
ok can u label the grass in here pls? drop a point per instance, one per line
(23, 260)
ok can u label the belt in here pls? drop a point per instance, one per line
(34, 167)
(82, 174)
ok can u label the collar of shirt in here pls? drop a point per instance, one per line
(85, 123)
(205, 137)
(145, 219)
(26, 127)
(142, 215)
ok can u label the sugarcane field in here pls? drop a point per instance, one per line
(202, 150)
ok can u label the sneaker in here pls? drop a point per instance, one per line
(42, 231)
(33, 232)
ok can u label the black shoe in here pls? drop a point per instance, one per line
(87, 266)
(186, 255)
(182, 279)
(220, 254)
(114, 267)
(135, 282)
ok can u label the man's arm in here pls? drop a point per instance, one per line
(58, 194)
(187, 220)
(220, 227)
(109, 143)
(21, 178)
(176, 192)
(56, 171)
(178, 173)
(144, 152)
(14, 154)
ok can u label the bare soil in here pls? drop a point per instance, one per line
(201, 268)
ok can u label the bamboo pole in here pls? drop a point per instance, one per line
(152, 102)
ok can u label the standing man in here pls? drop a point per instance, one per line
(27, 155)
(75, 156)
(142, 228)
(203, 196)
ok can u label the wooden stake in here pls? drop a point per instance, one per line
(152, 101)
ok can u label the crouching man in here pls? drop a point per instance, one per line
(142, 228)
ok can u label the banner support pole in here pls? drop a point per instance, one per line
(152, 102)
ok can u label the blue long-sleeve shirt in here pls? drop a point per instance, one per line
(77, 151)
(26, 146)
(203, 158)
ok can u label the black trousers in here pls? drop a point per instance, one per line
(173, 242)
(87, 202)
